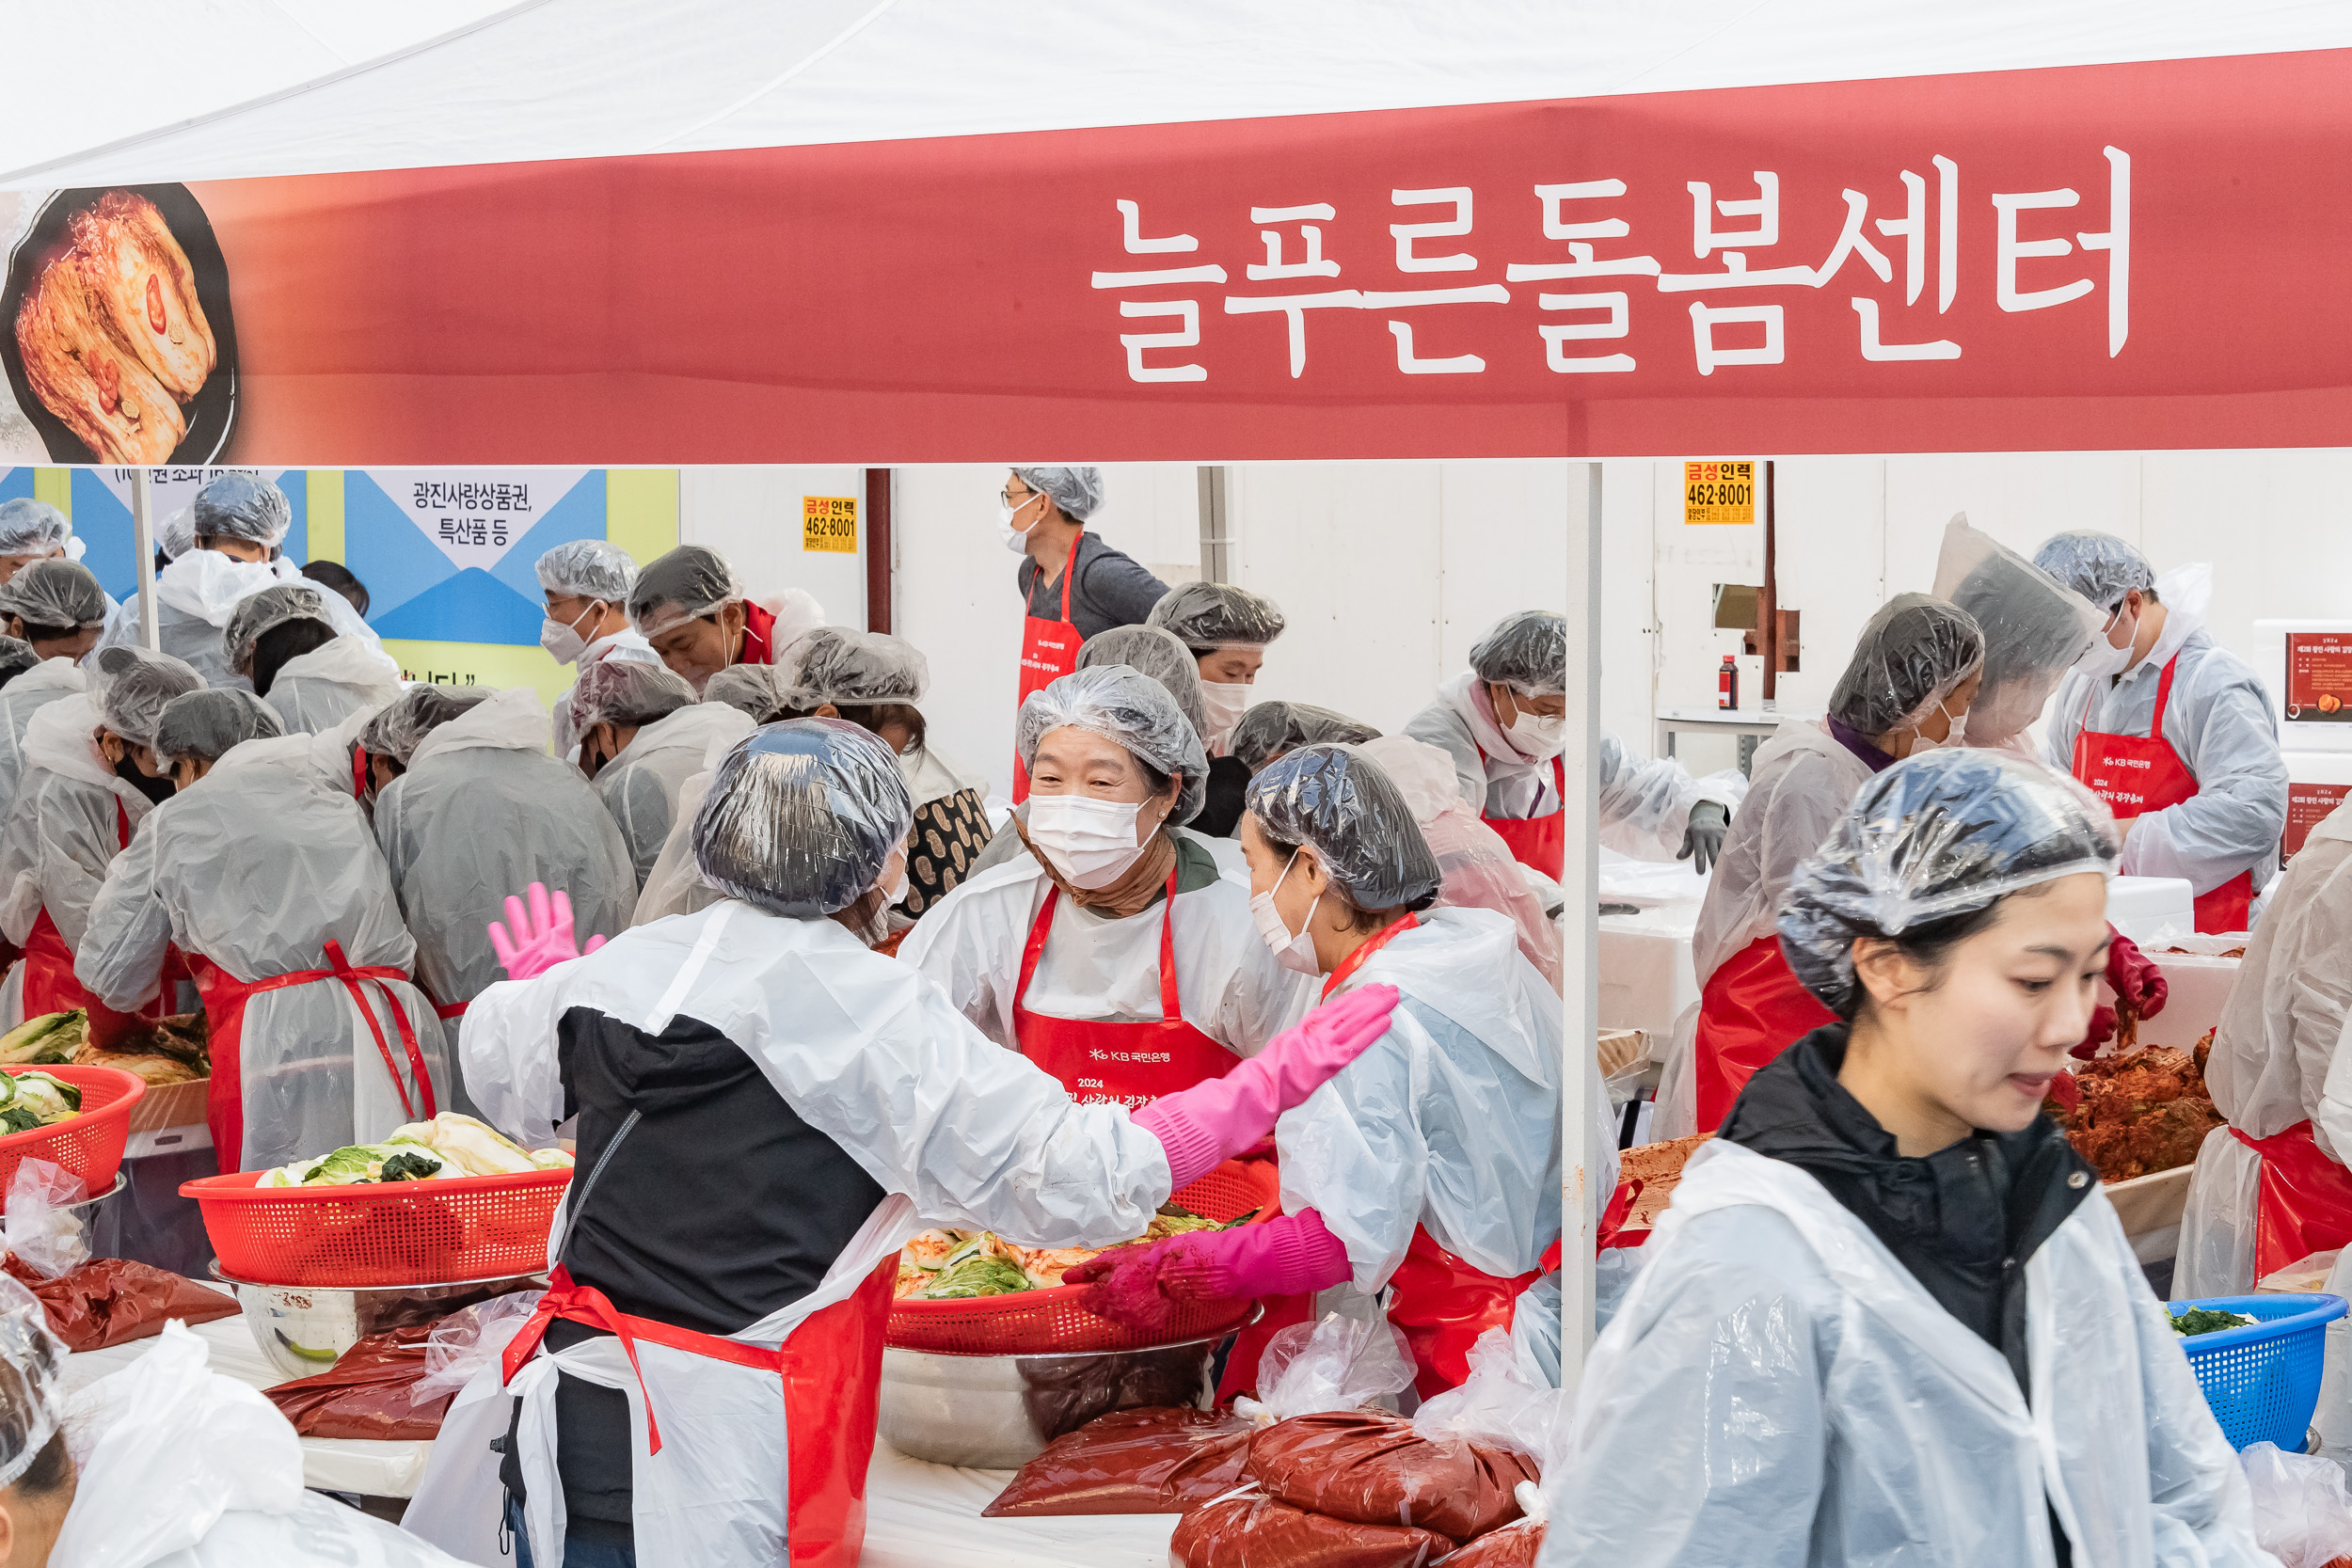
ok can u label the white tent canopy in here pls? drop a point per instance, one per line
(580, 78)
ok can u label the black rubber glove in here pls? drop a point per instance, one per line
(1702, 840)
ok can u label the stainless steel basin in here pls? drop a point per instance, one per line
(999, 1412)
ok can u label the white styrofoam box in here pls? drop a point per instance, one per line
(2149, 909)
(2317, 782)
(1646, 975)
(2195, 990)
(1650, 883)
(2301, 728)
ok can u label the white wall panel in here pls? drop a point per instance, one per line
(750, 514)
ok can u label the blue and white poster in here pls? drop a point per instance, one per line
(447, 554)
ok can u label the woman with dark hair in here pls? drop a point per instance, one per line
(1891, 1316)
(281, 639)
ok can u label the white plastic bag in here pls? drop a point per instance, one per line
(1496, 1404)
(1338, 1364)
(466, 1340)
(2301, 1514)
(41, 1230)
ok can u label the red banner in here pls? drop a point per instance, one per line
(2130, 256)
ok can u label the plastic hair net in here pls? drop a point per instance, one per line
(2099, 566)
(801, 816)
(32, 1381)
(1269, 730)
(757, 689)
(1206, 615)
(177, 536)
(1527, 650)
(2035, 627)
(1911, 655)
(266, 610)
(205, 724)
(684, 585)
(847, 668)
(138, 684)
(1338, 799)
(1078, 492)
(589, 568)
(1126, 706)
(241, 506)
(414, 714)
(28, 527)
(628, 692)
(1158, 653)
(1944, 833)
(16, 657)
(54, 594)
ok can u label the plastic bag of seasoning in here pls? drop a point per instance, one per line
(1515, 1545)
(1373, 1468)
(113, 1301)
(1250, 1530)
(370, 1392)
(1160, 1460)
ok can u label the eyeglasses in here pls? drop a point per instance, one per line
(1010, 497)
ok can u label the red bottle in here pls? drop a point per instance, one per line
(1727, 684)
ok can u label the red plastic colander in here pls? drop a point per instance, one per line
(377, 1234)
(88, 1146)
(1054, 1322)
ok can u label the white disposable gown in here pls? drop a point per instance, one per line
(257, 867)
(1450, 1122)
(640, 787)
(970, 944)
(317, 690)
(1644, 802)
(63, 831)
(194, 596)
(623, 645)
(1792, 1395)
(182, 1466)
(484, 812)
(869, 1054)
(22, 697)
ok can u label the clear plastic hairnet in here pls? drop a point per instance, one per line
(589, 568)
(32, 1381)
(205, 724)
(758, 690)
(1527, 650)
(628, 692)
(2035, 627)
(1269, 730)
(243, 506)
(266, 610)
(846, 667)
(2099, 566)
(1338, 799)
(801, 816)
(16, 657)
(1941, 834)
(1128, 706)
(137, 685)
(1911, 655)
(689, 582)
(1158, 653)
(1207, 615)
(177, 536)
(1078, 492)
(54, 594)
(28, 527)
(414, 714)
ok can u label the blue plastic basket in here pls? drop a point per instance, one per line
(2263, 1380)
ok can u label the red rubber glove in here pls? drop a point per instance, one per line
(1215, 1119)
(1139, 1287)
(2134, 976)
(541, 936)
(2101, 1031)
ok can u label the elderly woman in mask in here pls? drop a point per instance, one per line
(1118, 954)
(1226, 629)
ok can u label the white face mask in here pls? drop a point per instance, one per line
(1017, 539)
(1295, 953)
(1092, 843)
(1222, 703)
(895, 891)
(1540, 736)
(2105, 659)
(1922, 742)
(564, 642)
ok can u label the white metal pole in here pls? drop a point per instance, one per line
(1580, 955)
(143, 545)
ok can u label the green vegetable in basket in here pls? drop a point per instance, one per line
(2207, 1320)
(355, 1163)
(49, 1038)
(980, 1274)
(52, 1096)
(16, 1118)
(408, 1166)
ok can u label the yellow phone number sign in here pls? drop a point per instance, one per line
(829, 523)
(1720, 492)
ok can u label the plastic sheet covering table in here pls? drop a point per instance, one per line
(920, 1516)
(328, 1463)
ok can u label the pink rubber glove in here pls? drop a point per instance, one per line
(541, 936)
(1213, 1121)
(1139, 1287)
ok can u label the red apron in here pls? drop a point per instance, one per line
(2305, 1204)
(1541, 842)
(225, 997)
(1754, 1008)
(829, 1369)
(51, 988)
(2140, 773)
(1100, 1062)
(1049, 651)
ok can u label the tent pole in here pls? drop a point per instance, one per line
(143, 545)
(1580, 955)
(881, 552)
